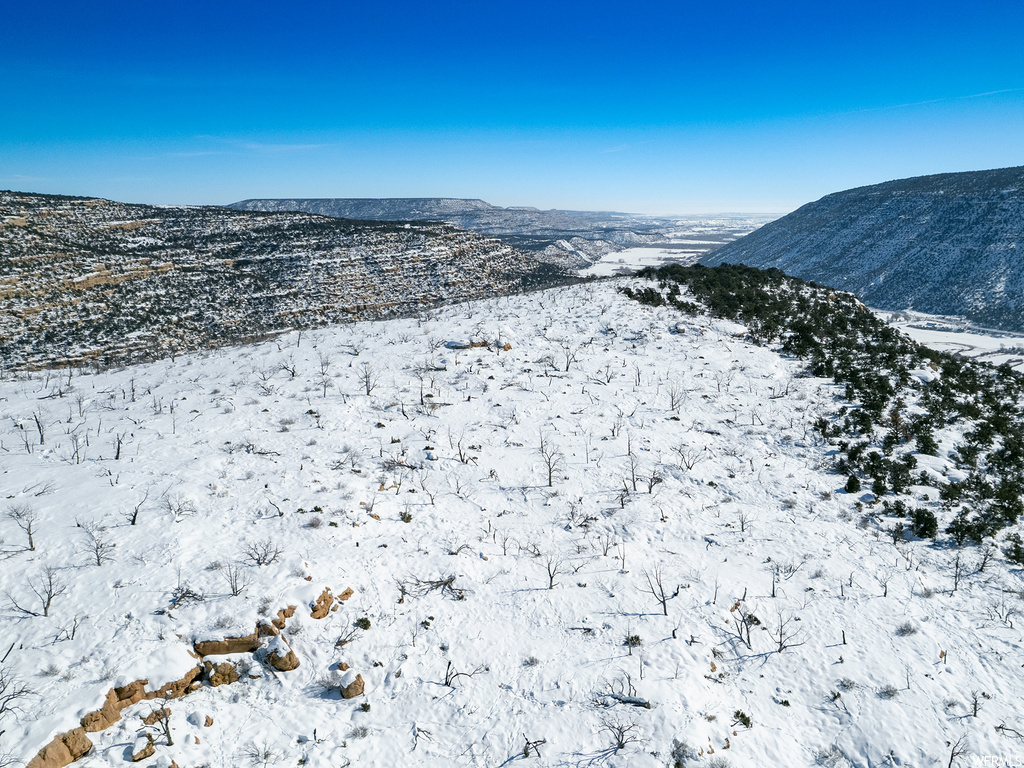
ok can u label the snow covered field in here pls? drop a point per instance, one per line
(601, 506)
(687, 240)
(632, 259)
(955, 335)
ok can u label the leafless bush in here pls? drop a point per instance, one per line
(622, 731)
(782, 632)
(744, 620)
(179, 506)
(46, 586)
(13, 693)
(260, 553)
(656, 588)
(162, 722)
(451, 675)
(349, 635)
(1002, 611)
(682, 753)
(329, 681)
(237, 579)
(689, 456)
(552, 458)
(906, 629)
(96, 546)
(368, 377)
(260, 754)
(25, 518)
(554, 566)
(133, 516)
(419, 587)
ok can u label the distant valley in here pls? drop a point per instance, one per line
(568, 239)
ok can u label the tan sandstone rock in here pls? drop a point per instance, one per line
(63, 750)
(353, 689)
(143, 749)
(244, 644)
(323, 604)
(221, 674)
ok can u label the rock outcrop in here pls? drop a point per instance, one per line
(63, 750)
(224, 673)
(243, 644)
(143, 748)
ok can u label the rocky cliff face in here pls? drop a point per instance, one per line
(95, 280)
(947, 244)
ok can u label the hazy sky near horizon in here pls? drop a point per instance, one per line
(652, 107)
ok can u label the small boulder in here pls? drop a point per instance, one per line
(280, 655)
(221, 674)
(353, 689)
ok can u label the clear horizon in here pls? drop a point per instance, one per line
(666, 109)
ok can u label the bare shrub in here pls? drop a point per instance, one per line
(237, 579)
(260, 553)
(25, 518)
(96, 545)
(906, 629)
(260, 753)
(13, 693)
(623, 732)
(420, 587)
(47, 585)
(552, 458)
(179, 506)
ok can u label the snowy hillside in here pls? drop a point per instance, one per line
(947, 244)
(97, 281)
(577, 531)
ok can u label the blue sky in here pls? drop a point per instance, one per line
(647, 106)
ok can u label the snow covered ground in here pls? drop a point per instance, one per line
(952, 334)
(687, 239)
(589, 450)
(632, 259)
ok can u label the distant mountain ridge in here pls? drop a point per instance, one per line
(378, 208)
(551, 231)
(946, 244)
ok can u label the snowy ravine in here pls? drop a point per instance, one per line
(676, 452)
